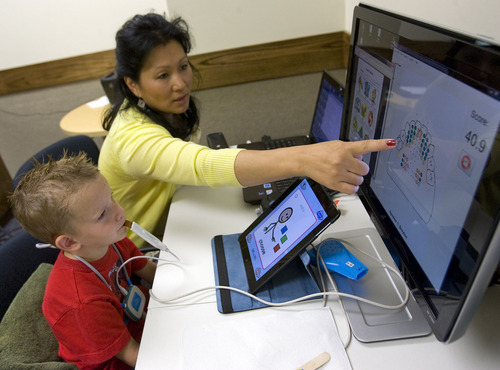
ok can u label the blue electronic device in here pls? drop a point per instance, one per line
(338, 259)
(134, 302)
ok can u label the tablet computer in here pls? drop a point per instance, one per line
(286, 228)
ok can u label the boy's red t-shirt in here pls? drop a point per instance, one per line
(86, 317)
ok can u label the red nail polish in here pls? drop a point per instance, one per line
(391, 142)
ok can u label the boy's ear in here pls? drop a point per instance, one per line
(66, 243)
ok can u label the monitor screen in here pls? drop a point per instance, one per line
(436, 196)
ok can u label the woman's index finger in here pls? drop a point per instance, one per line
(367, 146)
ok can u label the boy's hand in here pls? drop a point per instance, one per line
(147, 273)
(129, 353)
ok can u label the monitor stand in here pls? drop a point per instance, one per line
(370, 323)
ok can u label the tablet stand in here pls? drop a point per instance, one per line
(293, 281)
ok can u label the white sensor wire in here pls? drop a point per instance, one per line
(139, 257)
(297, 300)
(324, 294)
(174, 302)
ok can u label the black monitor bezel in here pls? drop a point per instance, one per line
(441, 317)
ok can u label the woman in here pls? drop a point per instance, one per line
(153, 124)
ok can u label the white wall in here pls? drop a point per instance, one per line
(225, 24)
(35, 31)
(470, 16)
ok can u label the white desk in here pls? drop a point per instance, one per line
(199, 213)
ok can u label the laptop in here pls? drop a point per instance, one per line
(326, 123)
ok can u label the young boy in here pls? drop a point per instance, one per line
(69, 204)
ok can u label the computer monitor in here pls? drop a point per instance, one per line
(436, 196)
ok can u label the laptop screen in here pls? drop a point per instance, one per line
(328, 113)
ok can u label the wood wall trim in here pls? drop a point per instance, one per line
(221, 68)
(57, 72)
(272, 60)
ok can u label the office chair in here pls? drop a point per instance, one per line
(72, 144)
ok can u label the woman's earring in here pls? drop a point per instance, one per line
(141, 104)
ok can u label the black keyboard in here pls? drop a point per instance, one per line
(267, 193)
(280, 143)
(282, 185)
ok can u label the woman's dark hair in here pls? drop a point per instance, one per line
(134, 41)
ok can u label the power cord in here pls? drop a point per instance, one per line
(319, 258)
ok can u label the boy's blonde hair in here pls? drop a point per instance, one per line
(42, 201)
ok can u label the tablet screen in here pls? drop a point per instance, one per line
(278, 235)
